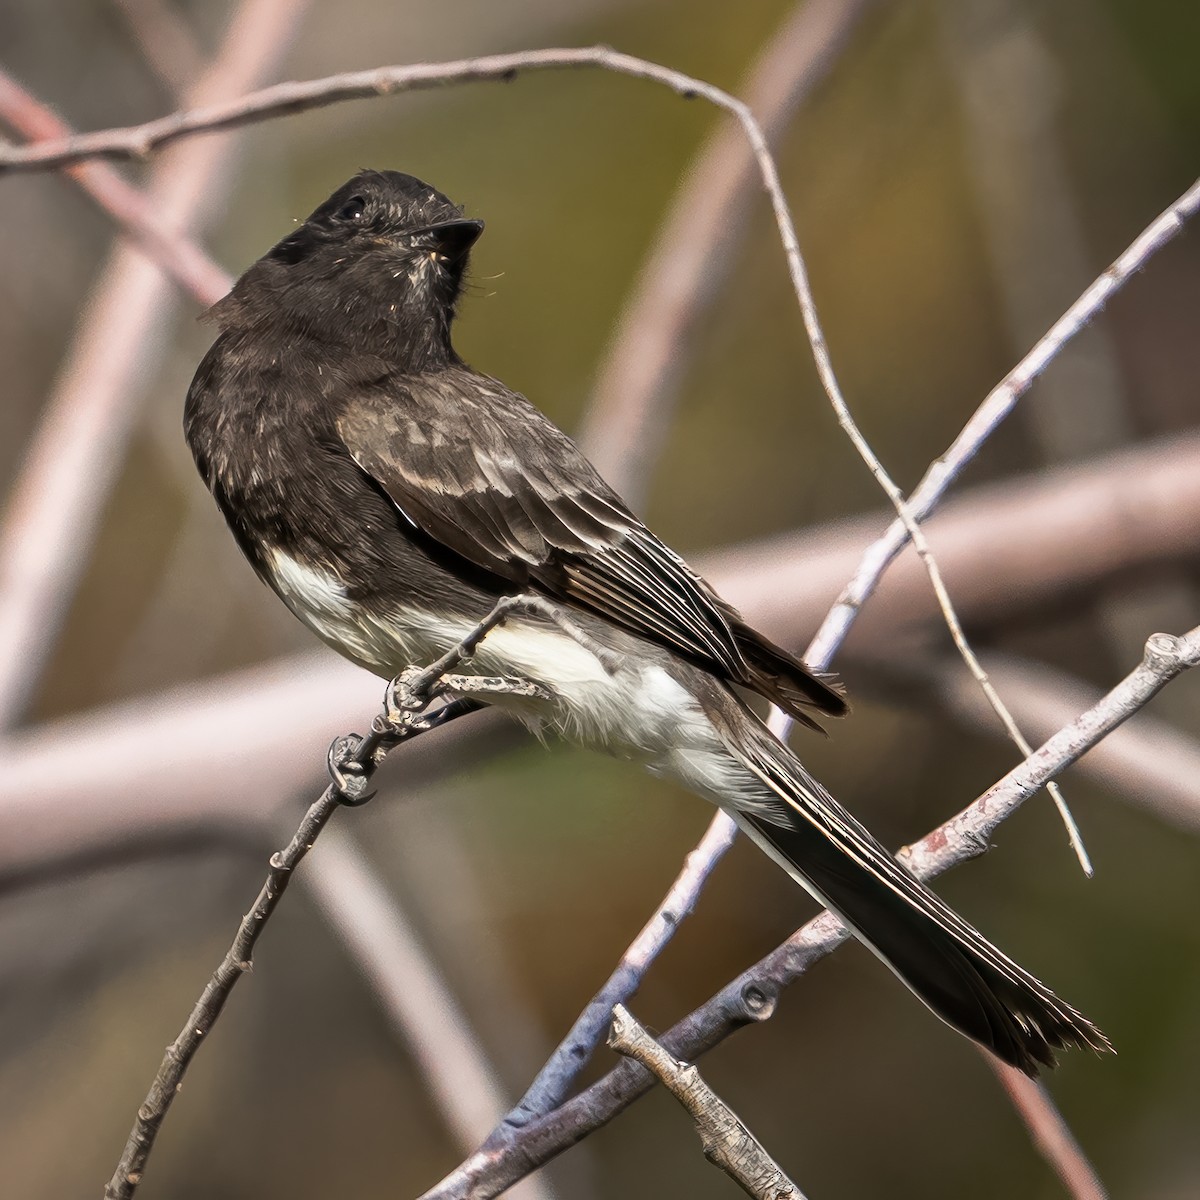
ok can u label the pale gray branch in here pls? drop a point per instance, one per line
(753, 996)
(727, 1143)
(1147, 762)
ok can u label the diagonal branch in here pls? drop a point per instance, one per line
(1147, 762)
(999, 402)
(752, 997)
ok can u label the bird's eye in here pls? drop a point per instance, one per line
(353, 209)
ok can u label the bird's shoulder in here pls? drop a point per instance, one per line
(476, 464)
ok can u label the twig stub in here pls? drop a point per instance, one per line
(727, 1143)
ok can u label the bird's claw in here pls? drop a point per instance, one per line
(346, 772)
(403, 699)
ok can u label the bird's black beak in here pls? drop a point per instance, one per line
(454, 238)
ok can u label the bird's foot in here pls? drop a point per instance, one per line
(347, 772)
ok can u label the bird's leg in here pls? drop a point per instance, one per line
(542, 607)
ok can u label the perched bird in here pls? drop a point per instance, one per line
(390, 494)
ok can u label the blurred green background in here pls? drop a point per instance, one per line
(905, 174)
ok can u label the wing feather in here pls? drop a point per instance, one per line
(481, 471)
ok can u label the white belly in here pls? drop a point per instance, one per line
(635, 711)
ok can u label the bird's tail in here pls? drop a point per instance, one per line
(947, 963)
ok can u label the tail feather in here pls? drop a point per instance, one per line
(945, 962)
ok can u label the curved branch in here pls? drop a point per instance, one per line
(287, 99)
(696, 245)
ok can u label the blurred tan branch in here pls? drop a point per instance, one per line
(386, 949)
(147, 765)
(174, 253)
(727, 1143)
(753, 996)
(1050, 1132)
(697, 243)
(166, 42)
(59, 499)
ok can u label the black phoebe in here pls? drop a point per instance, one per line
(389, 494)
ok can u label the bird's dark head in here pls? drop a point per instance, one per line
(381, 261)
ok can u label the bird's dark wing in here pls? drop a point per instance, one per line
(482, 472)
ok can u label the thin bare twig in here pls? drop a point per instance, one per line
(1050, 1132)
(944, 470)
(995, 407)
(59, 499)
(752, 997)
(353, 761)
(998, 404)
(286, 99)
(633, 398)
(1147, 762)
(357, 765)
(727, 1143)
